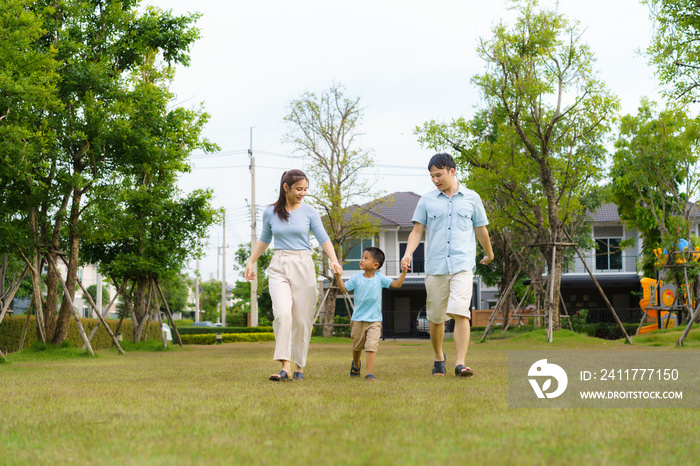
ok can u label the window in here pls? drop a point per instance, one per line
(608, 255)
(356, 247)
(418, 265)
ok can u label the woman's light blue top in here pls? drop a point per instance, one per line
(293, 234)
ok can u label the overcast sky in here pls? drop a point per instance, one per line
(408, 62)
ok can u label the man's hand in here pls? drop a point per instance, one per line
(487, 259)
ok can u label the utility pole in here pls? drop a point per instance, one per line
(223, 275)
(253, 234)
(196, 294)
(98, 293)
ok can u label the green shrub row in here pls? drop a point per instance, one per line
(215, 330)
(610, 330)
(210, 339)
(11, 333)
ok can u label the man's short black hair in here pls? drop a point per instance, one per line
(376, 254)
(442, 160)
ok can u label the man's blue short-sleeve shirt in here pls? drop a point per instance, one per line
(450, 223)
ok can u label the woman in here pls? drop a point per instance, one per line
(291, 274)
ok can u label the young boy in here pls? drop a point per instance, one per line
(366, 322)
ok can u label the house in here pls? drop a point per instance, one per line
(88, 275)
(614, 268)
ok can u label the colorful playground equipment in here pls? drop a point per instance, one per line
(648, 303)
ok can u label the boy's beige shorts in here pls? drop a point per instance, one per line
(365, 335)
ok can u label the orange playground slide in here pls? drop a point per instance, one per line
(647, 286)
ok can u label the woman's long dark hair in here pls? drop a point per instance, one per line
(290, 177)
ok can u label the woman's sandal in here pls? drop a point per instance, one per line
(281, 376)
(371, 378)
(439, 366)
(355, 371)
(463, 371)
(298, 376)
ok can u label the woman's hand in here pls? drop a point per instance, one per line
(249, 271)
(336, 268)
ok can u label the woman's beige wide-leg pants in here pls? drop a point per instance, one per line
(292, 280)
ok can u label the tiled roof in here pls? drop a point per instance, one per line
(606, 213)
(396, 209)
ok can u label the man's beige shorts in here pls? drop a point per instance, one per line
(448, 296)
(365, 335)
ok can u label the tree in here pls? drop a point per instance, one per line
(655, 177)
(28, 81)
(538, 148)
(325, 128)
(176, 288)
(92, 291)
(242, 288)
(209, 299)
(94, 52)
(675, 46)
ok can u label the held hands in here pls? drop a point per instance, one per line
(406, 263)
(336, 268)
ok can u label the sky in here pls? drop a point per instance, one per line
(407, 61)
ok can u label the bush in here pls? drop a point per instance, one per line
(210, 339)
(579, 321)
(11, 333)
(215, 330)
(610, 330)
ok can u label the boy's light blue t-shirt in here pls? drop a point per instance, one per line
(294, 233)
(368, 296)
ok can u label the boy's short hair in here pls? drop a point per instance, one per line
(377, 254)
(442, 160)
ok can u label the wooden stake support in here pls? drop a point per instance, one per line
(72, 304)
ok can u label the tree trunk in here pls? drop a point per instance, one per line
(140, 308)
(72, 273)
(330, 311)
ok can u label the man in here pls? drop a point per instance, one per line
(453, 217)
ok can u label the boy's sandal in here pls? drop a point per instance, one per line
(298, 376)
(439, 366)
(355, 371)
(371, 378)
(281, 376)
(463, 371)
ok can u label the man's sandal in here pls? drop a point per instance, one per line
(298, 376)
(463, 371)
(281, 376)
(371, 378)
(439, 366)
(355, 371)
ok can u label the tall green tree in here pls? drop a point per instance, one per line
(242, 288)
(28, 98)
(325, 127)
(655, 176)
(675, 46)
(550, 114)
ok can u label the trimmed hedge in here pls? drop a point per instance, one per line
(11, 333)
(224, 330)
(210, 338)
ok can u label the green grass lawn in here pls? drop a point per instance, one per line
(214, 405)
